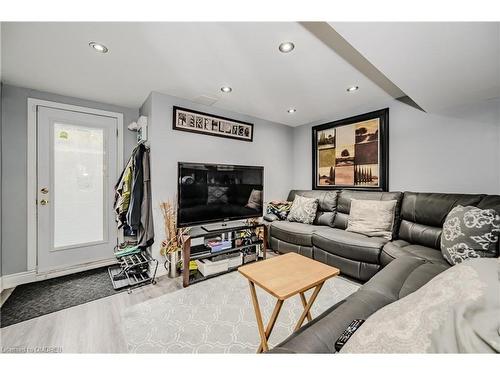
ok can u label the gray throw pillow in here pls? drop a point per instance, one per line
(303, 210)
(470, 232)
(372, 218)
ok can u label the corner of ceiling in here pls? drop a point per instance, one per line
(338, 44)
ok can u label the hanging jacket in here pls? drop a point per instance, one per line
(134, 209)
(122, 194)
(145, 235)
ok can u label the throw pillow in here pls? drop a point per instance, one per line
(255, 200)
(372, 218)
(217, 195)
(279, 208)
(470, 232)
(303, 210)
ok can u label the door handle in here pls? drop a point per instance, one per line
(44, 190)
(44, 202)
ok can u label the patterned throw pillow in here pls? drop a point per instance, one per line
(279, 208)
(303, 210)
(217, 195)
(470, 232)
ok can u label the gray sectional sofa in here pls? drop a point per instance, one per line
(393, 268)
(416, 232)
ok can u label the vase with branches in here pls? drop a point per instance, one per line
(172, 244)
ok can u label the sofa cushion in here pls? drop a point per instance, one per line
(357, 269)
(284, 247)
(400, 248)
(400, 278)
(327, 204)
(348, 244)
(293, 232)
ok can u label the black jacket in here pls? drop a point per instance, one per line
(134, 210)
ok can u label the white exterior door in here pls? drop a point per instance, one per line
(77, 170)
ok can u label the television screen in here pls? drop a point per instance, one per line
(217, 192)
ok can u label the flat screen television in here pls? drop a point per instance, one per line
(210, 193)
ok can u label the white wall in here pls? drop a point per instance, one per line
(270, 148)
(428, 152)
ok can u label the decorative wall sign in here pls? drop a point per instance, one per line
(352, 153)
(204, 123)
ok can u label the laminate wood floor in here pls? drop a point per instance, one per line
(93, 327)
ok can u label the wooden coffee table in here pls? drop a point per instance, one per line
(283, 277)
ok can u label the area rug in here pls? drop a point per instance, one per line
(44, 297)
(217, 316)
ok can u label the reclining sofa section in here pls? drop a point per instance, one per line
(417, 229)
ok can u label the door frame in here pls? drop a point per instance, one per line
(32, 165)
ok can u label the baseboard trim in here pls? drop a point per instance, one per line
(13, 280)
(74, 269)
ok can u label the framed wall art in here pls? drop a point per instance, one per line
(352, 153)
(204, 123)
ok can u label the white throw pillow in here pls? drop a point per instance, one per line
(303, 210)
(372, 218)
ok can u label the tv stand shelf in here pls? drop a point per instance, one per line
(233, 249)
(196, 277)
(190, 277)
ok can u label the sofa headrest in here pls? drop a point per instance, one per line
(327, 200)
(423, 215)
(490, 201)
(432, 208)
(345, 197)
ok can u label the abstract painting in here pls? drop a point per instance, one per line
(352, 153)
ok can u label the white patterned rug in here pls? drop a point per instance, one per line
(217, 316)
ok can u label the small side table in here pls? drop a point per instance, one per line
(283, 277)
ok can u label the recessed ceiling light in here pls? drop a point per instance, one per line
(98, 47)
(291, 110)
(352, 88)
(226, 89)
(286, 47)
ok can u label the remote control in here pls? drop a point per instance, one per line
(348, 332)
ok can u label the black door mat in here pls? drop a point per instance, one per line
(32, 300)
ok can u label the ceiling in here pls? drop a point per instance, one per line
(438, 65)
(187, 60)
